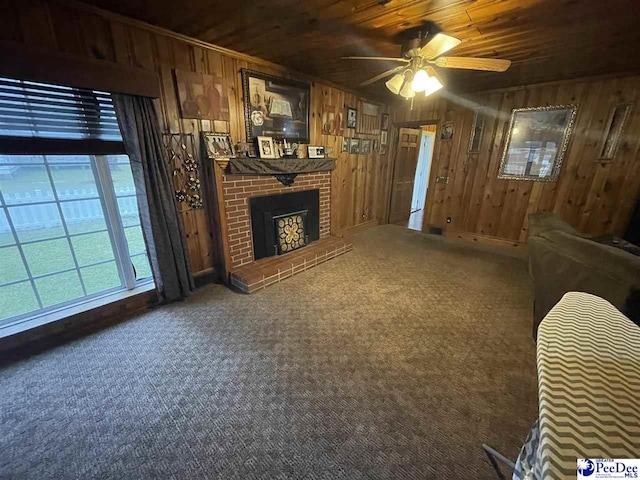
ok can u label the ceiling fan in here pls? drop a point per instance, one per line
(422, 47)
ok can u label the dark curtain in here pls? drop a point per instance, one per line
(159, 217)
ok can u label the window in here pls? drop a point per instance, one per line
(69, 223)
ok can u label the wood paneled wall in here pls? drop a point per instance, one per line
(87, 32)
(595, 197)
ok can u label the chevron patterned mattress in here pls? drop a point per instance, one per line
(588, 357)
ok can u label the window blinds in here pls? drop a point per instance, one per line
(38, 110)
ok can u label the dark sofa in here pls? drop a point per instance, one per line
(563, 260)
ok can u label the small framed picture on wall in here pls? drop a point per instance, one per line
(383, 137)
(384, 124)
(345, 144)
(354, 146)
(352, 117)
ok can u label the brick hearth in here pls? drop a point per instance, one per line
(267, 271)
(239, 188)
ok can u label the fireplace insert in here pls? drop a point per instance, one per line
(285, 222)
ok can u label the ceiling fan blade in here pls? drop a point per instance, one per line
(382, 75)
(438, 45)
(469, 63)
(388, 59)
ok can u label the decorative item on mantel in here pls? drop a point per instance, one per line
(182, 161)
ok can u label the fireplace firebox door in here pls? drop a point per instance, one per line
(283, 223)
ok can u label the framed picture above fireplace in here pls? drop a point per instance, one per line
(275, 107)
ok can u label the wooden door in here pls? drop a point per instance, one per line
(404, 172)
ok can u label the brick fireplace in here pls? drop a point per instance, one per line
(239, 189)
(234, 194)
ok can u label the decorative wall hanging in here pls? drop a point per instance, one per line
(275, 107)
(613, 131)
(183, 163)
(345, 144)
(477, 130)
(383, 138)
(537, 142)
(218, 145)
(331, 121)
(202, 96)
(365, 146)
(369, 121)
(352, 117)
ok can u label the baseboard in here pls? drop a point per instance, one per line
(356, 228)
(485, 239)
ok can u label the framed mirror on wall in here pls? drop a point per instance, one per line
(536, 143)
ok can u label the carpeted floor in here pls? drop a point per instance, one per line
(395, 361)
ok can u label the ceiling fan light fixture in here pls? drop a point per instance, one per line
(407, 91)
(395, 83)
(420, 81)
(432, 86)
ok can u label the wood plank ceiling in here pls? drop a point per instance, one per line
(546, 39)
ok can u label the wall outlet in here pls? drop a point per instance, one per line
(442, 179)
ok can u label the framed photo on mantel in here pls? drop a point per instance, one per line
(275, 107)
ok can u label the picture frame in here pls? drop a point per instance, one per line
(375, 145)
(447, 131)
(275, 107)
(345, 144)
(352, 117)
(218, 145)
(354, 146)
(477, 130)
(536, 143)
(384, 122)
(365, 146)
(612, 134)
(383, 149)
(266, 147)
(383, 137)
(202, 96)
(315, 151)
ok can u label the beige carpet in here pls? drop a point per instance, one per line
(395, 361)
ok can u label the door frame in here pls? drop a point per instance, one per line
(395, 131)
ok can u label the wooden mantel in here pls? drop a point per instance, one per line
(276, 166)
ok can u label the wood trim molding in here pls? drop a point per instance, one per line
(39, 65)
(484, 239)
(356, 228)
